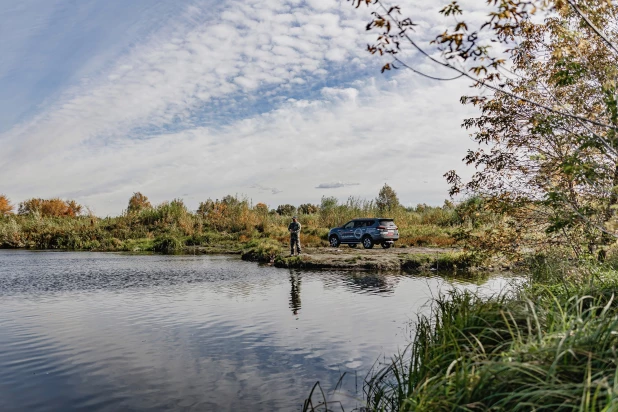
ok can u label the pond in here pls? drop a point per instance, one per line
(109, 332)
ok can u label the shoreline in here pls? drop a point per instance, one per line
(408, 259)
(411, 259)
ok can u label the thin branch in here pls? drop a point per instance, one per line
(488, 85)
(426, 75)
(601, 139)
(592, 26)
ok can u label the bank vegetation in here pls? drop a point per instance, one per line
(230, 224)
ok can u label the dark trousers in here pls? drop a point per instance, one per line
(294, 240)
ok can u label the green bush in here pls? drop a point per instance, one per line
(262, 250)
(168, 244)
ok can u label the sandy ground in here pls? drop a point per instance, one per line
(358, 258)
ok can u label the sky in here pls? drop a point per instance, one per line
(274, 100)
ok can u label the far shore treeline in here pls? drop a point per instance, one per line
(224, 225)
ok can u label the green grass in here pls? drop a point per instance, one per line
(232, 226)
(546, 347)
(262, 250)
(168, 244)
(443, 261)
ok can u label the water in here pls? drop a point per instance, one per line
(110, 332)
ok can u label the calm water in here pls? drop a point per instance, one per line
(110, 332)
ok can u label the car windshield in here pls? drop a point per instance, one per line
(387, 223)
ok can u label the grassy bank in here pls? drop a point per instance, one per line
(232, 225)
(549, 345)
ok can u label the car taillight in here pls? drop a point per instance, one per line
(381, 227)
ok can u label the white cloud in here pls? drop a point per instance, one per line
(381, 136)
(335, 185)
(186, 66)
(133, 127)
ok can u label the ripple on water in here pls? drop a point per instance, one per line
(107, 332)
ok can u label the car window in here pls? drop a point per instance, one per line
(359, 223)
(349, 225)
(369, 223)
(387, 223)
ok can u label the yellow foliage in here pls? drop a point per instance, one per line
(6, 208)
(50, 207)
(138, 202)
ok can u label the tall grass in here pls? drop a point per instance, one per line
(545, 348)
(231, 222)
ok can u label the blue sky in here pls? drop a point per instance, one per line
(276, 100)
(52, 44)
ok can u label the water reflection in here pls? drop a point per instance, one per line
(377, 283)
(295, 292)
(108, 332)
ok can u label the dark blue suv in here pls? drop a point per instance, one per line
(368, 231)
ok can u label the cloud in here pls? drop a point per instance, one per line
(200, 63)
(290, 147)
(335, 185)
(218, 100)
(261, 188)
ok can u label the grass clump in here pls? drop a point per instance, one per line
(168, 244)
(139, 245)
(289, 262)
(540, 347)
(262, 250)
(457, 261)
(445, 261)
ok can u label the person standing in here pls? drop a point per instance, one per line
(294, 229)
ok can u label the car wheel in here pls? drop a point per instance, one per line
(353, 245)
(386, 245)
(334, 241)
(367, 242)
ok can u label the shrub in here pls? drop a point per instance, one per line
(308, 209)
(138, 202)
(168, 244)
(50, 207)
(6, 208)
(261, 209)
(262, 250)
(11, 234)
(286, 210)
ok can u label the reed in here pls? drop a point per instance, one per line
(230, 223)
(541, 347)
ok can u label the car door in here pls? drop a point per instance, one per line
(369, 228)
(347, 232)
(360, 228)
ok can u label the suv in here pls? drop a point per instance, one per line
(365, 231)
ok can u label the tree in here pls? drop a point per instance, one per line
(73, 208)
(328, 203)
(308, 209)
(548, 158)
(286, 210)
(138, 202)
(387, 199)
(50, 207)
(233, 201)
(555, 173)
(6, 207)
(205, 207)
(261, 209)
